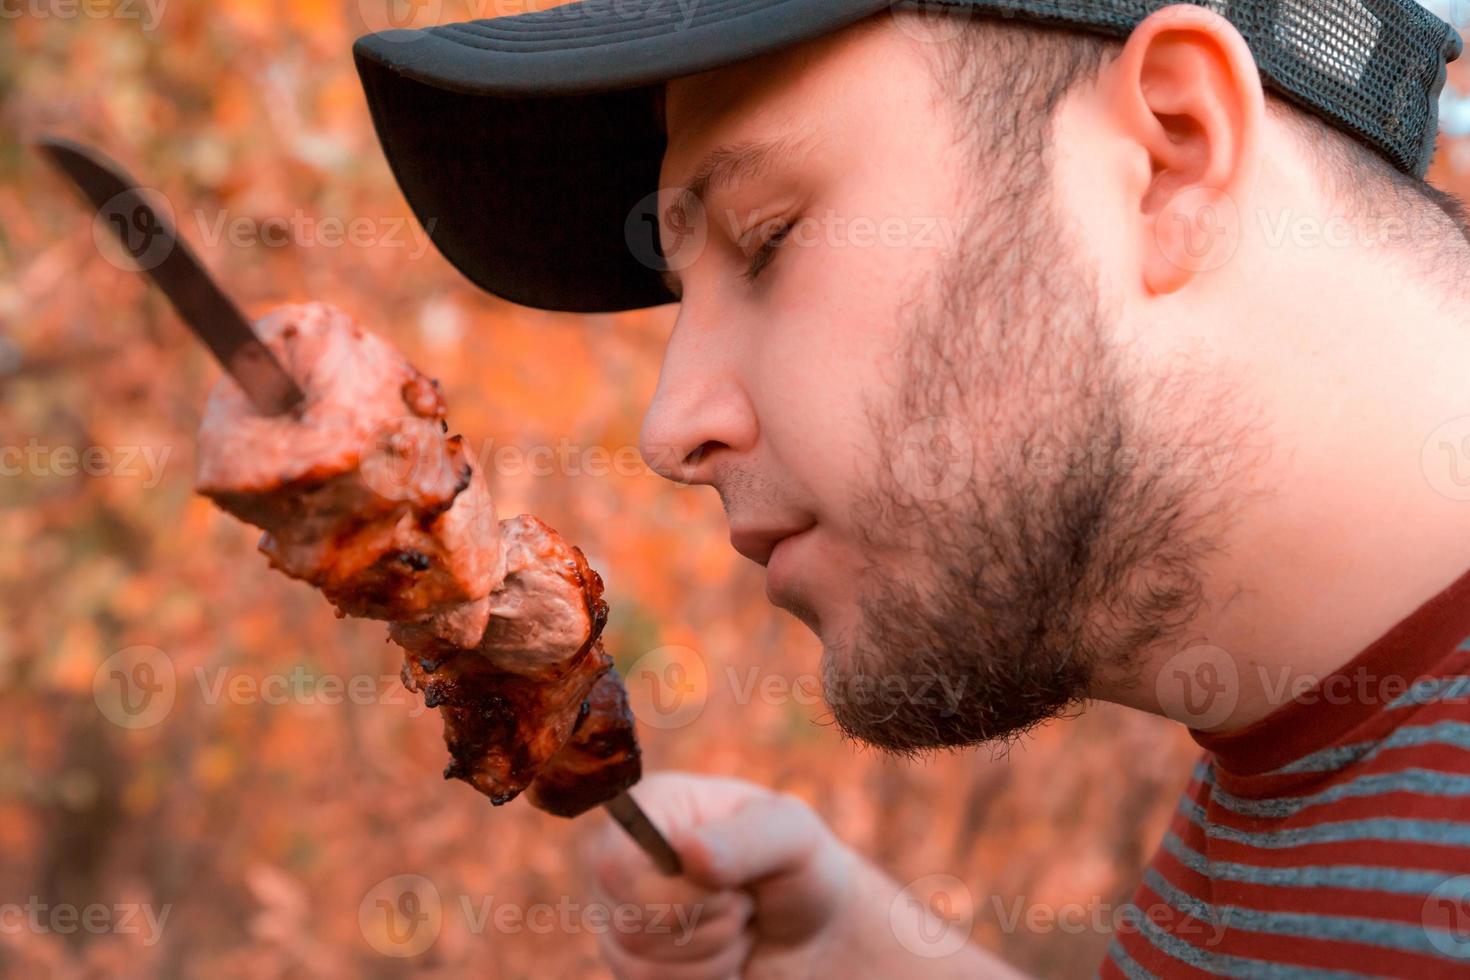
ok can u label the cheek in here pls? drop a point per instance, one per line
(821, 366)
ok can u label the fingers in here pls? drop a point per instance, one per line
(690, 933)
(723, 964)
(675, 800)
(677, 924)
(779, 851)
(767, 836)
(680, 923)
(677, 803)
(759, 867)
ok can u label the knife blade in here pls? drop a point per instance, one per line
(153, 242)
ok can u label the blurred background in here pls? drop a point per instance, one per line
(215, 776)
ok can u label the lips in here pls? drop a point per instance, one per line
(758, 543)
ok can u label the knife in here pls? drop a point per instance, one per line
(154, 244)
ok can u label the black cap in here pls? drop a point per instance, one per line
(529, 146)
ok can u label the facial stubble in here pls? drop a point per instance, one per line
(1058, 555)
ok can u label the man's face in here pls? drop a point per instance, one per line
(895, 369)
(779, 347)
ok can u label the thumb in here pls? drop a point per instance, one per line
(777, 849)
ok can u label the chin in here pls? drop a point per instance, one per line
(800, 605)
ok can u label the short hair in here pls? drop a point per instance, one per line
(1009, 77)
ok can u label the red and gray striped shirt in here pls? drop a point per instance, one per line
(1331, 839)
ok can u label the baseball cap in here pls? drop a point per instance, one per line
(529, 146)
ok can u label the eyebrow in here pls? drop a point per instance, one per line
(724, 167)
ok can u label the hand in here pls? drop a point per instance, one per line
(763, 890)
(768, 893)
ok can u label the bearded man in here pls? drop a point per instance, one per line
(1056, 350)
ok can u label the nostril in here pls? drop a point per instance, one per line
(700, 451)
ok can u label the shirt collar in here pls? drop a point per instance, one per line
(1352, 696)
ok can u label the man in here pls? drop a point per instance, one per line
(1145, 381)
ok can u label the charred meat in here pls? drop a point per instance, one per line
(364, 493)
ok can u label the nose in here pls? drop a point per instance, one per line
(701, 414)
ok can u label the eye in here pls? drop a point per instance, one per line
(766, 251)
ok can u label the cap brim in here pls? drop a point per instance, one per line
(527, 145)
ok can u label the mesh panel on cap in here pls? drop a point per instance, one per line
(1372, 67)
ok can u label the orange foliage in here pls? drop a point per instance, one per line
(263, 823)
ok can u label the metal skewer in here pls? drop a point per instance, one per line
(154, 243)
(630, 816)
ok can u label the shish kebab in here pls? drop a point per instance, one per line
(326, 438)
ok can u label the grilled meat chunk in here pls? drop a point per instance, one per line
(600, 761)
(502, 728)
(512, 697)
(362, 493)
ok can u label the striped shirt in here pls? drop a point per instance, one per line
(1331, 839)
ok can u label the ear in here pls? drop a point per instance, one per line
(1187, 91)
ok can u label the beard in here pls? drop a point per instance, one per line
(997, 594)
